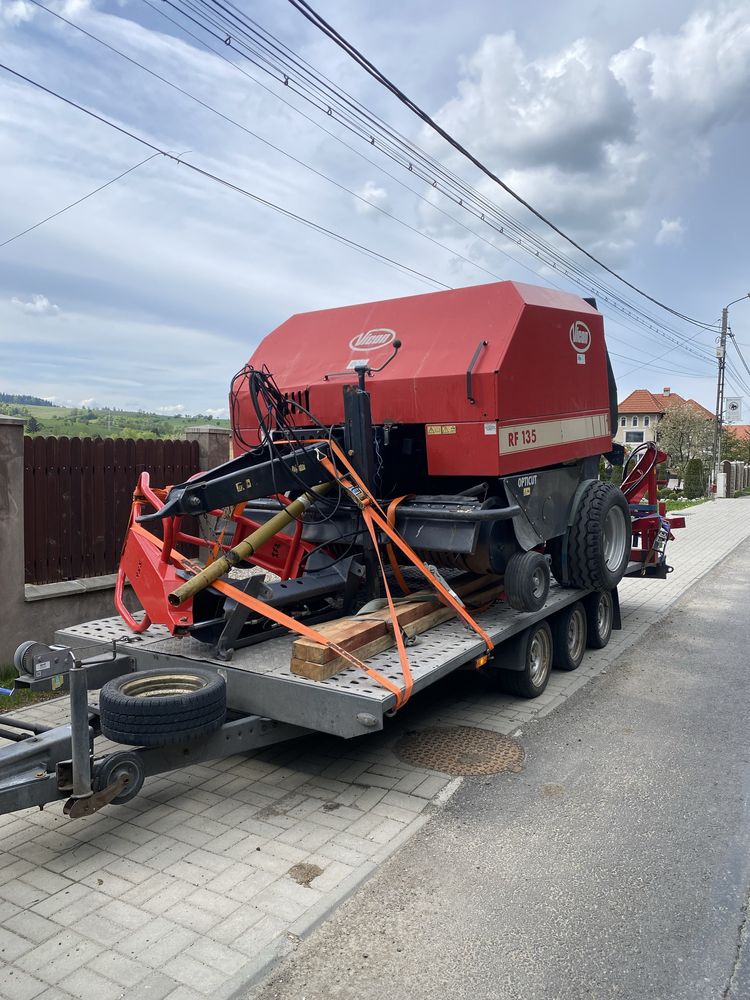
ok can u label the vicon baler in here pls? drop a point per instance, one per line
(410, 473)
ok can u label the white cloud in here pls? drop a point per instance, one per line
(670, 231)
(218, 413)
(38, 305)
(375, 194)
(88, 404)
(15, 12)
(177, 408)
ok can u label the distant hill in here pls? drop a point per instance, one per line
(23, 400)
(48, 420)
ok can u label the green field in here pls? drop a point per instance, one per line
(66, 421)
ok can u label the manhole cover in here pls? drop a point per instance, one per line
(460, 750)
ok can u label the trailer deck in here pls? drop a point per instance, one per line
(259, 680)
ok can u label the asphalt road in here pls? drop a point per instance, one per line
(616, 865)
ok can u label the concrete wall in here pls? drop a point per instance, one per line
(34, 612)
(213, 444)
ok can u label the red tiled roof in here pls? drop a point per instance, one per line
(739, 431)
(640, 401)
(643, 401)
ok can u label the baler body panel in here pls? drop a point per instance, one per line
(539, 391)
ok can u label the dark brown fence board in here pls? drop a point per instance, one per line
(77, 495)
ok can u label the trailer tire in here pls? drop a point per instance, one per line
(160, 707)
(600, 613)
(526, 581)
(535, 647)
(569, 635)
(598, 541)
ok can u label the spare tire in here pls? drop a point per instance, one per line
(159, 707)
(598, 541)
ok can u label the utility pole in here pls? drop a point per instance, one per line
(721, 352)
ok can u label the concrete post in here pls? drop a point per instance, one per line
(213, 444)
(11, 517)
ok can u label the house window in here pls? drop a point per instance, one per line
(646, 421)
(633, 437)
(622, 421)
(635, 421)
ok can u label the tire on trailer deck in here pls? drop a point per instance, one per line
(159, 707)
(535, 648)
(600, 613)
(569, 636)
(598, 541)
(527, 580)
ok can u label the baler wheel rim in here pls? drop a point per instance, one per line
(615, 538)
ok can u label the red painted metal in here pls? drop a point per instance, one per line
(539, 384)
(648, 513)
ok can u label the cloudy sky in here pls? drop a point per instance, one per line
(627, 124)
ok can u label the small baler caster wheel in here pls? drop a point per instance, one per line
(569, 632)
(534, 649)
(527, 579)
(599, 618)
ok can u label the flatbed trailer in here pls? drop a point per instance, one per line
(266, 702)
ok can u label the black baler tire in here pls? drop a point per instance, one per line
(595, 638)
(560, 623)
(520, 682)
(519, 581)
(162, 719)
(586, 566)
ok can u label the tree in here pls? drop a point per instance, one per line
(32, 425)
(734, 449)
(695, 482)
(684, 434)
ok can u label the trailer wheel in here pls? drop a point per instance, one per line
(158, 707)
(569, 633)
(599, 619)
(535, 648)
(598, 541)
(527, 581)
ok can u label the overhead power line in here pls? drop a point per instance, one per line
(327, 29)
(78, 201)
(236, 31)
(309, 223)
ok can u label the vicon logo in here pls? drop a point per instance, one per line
(372, 340)
(580, 336)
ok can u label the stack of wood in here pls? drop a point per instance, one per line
(364, 635)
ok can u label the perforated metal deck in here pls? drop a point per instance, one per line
(348, 704)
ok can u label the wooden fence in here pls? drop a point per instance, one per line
(77, 494)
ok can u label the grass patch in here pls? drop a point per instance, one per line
(683, 504)
(21, 696)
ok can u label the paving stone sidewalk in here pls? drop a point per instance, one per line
(192, 889)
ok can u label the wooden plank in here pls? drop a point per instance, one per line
(29, 521)
(76, 510)
(66, 510)
(88, 566)
(40, 525)
(111, 552)
(99, 493)
(350, 633)
(322, 671)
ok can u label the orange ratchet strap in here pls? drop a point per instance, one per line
(260, 607)
(392, 507)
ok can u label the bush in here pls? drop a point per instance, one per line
(695, 483)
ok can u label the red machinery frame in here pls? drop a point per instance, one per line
(651, 527)
(158, 574)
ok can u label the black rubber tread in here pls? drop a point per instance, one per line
(561, 658)
(519, 682)
(518, 581)
(162, 719)
(594, 639)
(163, 737)
(586, 566)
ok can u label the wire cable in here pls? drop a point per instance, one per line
(319, 22)
(78, 201)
